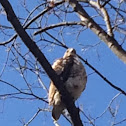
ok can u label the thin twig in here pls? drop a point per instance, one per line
(31, 21)
(103, 77)
(109, 104)
(56, 25)
(90, 121)
(34, 116)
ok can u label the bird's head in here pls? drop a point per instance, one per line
(69, 52)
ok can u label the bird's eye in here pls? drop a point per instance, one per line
(73, 51)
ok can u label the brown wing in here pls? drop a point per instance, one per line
(57, 66)
(62, 67)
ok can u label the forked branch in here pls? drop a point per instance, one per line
(90, 23)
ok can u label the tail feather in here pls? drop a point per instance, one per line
(57, 111)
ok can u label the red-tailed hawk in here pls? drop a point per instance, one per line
(74, 77)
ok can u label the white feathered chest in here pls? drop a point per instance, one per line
(76, 79)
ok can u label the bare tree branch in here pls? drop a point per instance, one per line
(26, 25)
(90, 23)
(105, 15)
(104, 78)
(19, 91)
(57, 25)
(120, 122)
(109, 105)
(35, 115)
(67, 99)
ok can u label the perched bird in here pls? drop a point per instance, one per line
(74, 77)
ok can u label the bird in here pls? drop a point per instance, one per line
(74, 78)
